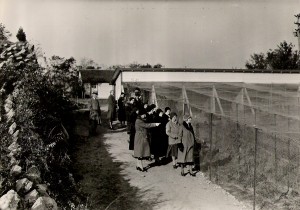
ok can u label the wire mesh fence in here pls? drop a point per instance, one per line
(250, 135)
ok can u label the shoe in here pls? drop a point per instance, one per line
(141, 169)
(182, 173)
(192, 174)
(175, 166)
(157, 163)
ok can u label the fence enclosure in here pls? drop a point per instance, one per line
(251, 132)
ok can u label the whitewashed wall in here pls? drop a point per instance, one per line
(118, 87)
(104, 90)
(209, 77)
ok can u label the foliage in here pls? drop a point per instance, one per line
(21, 35)
(86, 63)
(257, 61)
(41, 108)
(157, 66)
(4, 34)
(284, 57)
(64, 76)
(147, 65)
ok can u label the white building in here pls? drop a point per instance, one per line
(139, 75)
(96, 81)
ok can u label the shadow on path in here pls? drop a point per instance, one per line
(98, 177)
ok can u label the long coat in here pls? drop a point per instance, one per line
(131, 127)
(111, 107)
(95, 111)
(121, 111)
(141, 142)
(187, 138)
(173, 130)
(159, 141)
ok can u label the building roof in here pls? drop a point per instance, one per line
(118, 71)
(96, 76)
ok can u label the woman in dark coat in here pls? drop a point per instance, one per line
(187, 138)
(129, 109)
(141, 143)
(121, 111)
(131, 125)
(111, 108)
(159, 141)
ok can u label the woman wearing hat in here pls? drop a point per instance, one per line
(173, 130)
(159, 143)
(187, 138)
(121, 110)
(111, 108)
(141, 142)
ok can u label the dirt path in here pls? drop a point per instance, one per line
(166, 185)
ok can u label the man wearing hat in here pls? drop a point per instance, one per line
(95, 113)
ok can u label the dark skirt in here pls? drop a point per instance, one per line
(121, 115)
(172, 150)
(131, 140)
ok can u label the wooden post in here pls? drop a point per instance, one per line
(210, 146)
(213, 103)
(255, 162)
(275, 151)
(153, 96)
(215, 95)
(249, 100)
(186, 101)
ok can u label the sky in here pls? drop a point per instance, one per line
(176, 34)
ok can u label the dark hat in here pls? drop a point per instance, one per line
(95, 92)
(173, 114)
(159, 111)
(153, 106)
(148, 109)
(167, 108)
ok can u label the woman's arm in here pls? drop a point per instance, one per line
(169, 132)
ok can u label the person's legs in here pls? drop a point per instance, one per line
(182, 170)
(191, 171)
(174, 161)
(139, 165)
(95, 127)
(110, 124)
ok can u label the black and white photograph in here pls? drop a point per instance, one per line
(149, 105)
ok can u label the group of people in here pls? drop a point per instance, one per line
(154, 133)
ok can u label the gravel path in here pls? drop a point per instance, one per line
(165, 184)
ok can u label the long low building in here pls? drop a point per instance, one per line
(135, 75)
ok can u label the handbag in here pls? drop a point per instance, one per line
(180, 146)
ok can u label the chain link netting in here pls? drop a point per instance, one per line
(249, 135)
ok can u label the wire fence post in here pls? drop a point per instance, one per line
(237, 139)
(289, 163)
(275, 151)
(210, 146)
(254, 177)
